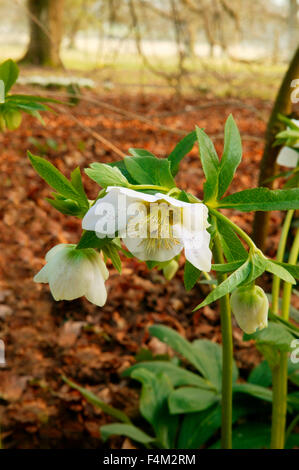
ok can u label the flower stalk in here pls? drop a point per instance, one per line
(227, 357)
(280, 371)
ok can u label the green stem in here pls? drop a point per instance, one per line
(279, 257)
(235, 227)
(280, 372)
(227, 348)
(137, 187)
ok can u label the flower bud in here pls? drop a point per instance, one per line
(170, 269)
(250, 306)
(13, 119)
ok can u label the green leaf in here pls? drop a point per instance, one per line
(191, 399)
(230, 242)
(261, 375)
(177, 343)
(53, 177)
(209, 355)
(94, 400)
(227, 286)
(257, 266)
(181, 149)
(251, 435)
(228, 267)
(111, 251)
(275, 335)
(128, 430)
(232, 155)
(122, 168)
(210, 164)
(76, 181)
(154, 406)
(141, 153)
(293, 269)
(150, 170)
(254, 390)
(9, 73)
(177, 375)
(280, 271)
(262, 199)
(105, 175)
(90, 240)
(191, 275)
(199, 427)
(66, 206)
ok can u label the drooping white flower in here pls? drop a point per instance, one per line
(250, 306)
(73, 273)
(287, 156)
(153, 226)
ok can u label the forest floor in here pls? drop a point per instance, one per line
(92, 346)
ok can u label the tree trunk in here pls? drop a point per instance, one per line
(282, 105)
(46, 21)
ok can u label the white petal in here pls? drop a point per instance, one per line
(58, 248)
(197, 250)
(69, 277)
(137, 246)
(288, 157)
(96, 291)
(130, 193)
(42, 275)
(171, 200)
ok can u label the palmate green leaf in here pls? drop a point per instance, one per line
(154, 405)
(53, 177)
(191, 399)
(227, 286)
(149, 169)
(262, 199)
(9, 72)
(210, 163)
(181, 150)
(178, 375)
(191, 275)
(230, 242)
(232, 155)
(105, 175)
(275, 335)
(128, 430)
(94, 400)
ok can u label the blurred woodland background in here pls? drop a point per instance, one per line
(129, 73)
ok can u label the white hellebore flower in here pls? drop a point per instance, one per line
(250, 306)
(287, 156)
(72, 273)
(153, 226)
